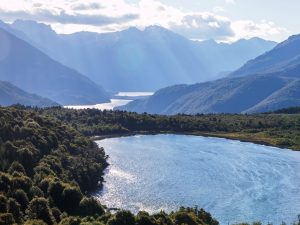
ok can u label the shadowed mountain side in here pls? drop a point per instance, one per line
(11, 95)
(283, 56)
(267, 83)
(285, 97)
(235, 95)
(33, 71)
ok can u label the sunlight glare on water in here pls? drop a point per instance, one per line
(235, 181)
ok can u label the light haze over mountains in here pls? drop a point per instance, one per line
(33, 71)
(11, 95)
(269, 82)
(135, 60)
(246, 76)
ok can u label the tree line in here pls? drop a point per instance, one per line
(280, 129)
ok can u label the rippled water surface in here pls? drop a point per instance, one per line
(234, 181)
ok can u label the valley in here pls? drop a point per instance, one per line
(63, 157)
(149, 112)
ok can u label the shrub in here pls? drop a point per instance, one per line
(35, 222)
(184, 218)
(3, 204)
(70, 221)
(16, 167)
(143, 218)
(21, 198)
(36, 192)
(5, 182)
(21, 182)
(123, 217)
(90, 207)
(15, 209)
(56, 213)
(6, 219)
(71, 197)
(38, 209)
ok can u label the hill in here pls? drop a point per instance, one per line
(11, 95)
(230, 95)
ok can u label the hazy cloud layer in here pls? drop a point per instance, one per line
(248, 29)
(113, 15)
(204, 26)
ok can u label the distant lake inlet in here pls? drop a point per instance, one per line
(120, 99)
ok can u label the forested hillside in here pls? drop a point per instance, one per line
(276, 129)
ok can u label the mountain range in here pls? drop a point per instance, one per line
(11, 95)
(140, 60)
(33, 71)
(269, 82)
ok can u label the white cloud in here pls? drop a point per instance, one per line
(71, 12)
(204, 26)
(230, 1)
(263, 29)
(87, 6)
(105, 16)
(218, 9)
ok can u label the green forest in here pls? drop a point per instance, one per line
(49, 163)
(280, 129)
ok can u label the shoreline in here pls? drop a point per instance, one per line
(200, 134)
(103, 137)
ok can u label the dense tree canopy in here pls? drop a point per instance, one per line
(280, 129)
(45, 167)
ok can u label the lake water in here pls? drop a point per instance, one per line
(103, 106)
(234, 181)
(119, 99)
(134, 94)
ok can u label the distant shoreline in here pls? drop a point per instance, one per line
(200, 134)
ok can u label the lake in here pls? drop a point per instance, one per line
(119, 99)
(234, 181)
(103, 106)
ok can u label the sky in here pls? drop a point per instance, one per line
(221, 20)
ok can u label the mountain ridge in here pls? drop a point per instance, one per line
(12, 95)
(274, 60)
(273, 84)
(141, 60)
(33, 71)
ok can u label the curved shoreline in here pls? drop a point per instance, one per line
(201, 134)
(201, 154)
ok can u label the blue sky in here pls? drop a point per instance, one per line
(283, 13)
(222, 20)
